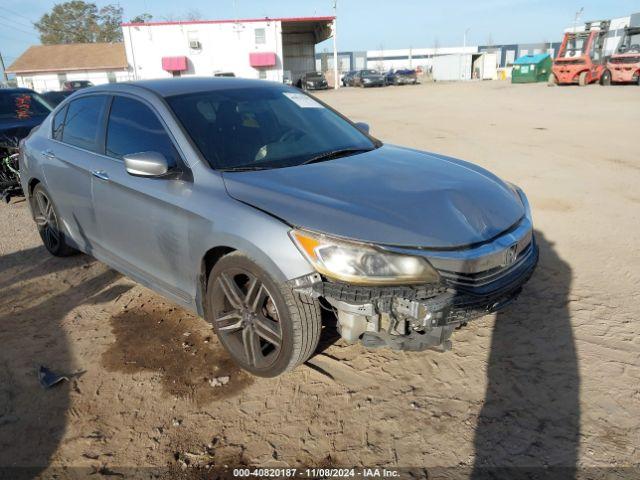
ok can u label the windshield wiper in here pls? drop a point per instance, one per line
(244, 168)
(335, 154)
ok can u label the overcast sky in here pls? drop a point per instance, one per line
(363, 24)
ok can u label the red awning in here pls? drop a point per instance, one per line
(262, 59)
(174, 64)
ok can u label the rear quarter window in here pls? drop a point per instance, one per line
(58, 124)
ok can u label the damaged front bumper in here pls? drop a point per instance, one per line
(424, 316)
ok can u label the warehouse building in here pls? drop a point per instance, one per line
(47, 67)
(277, 49)
(384, 60)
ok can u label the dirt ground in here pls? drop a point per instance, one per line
(552, 381)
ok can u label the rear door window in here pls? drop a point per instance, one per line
(134, 128)
(84, 121)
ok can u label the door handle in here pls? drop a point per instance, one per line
(48, 153)
(101, 174)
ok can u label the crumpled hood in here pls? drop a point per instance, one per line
(391, 195)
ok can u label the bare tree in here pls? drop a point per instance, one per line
(490, 40)
(193, 14)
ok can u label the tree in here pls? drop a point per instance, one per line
(77, 21)
(193, 14)
(110, 19)
(142, 18)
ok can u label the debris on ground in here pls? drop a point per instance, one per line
(48, 378)
(219, 381)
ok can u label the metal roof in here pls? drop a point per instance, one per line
(244, 20)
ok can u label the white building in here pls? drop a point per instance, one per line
(46, 67)
(267, 48)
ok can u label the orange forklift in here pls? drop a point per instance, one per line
(581, 58)
(624, 64)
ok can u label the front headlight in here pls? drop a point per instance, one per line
(360, 263)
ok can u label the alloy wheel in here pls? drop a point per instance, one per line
(248, 320)
(46, 220)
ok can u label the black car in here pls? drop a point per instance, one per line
(54, 98)
(347, 79)
(401, 77)
(368, 78)
(21, 110)
(313, 81)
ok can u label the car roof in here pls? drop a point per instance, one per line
(16, 90)
(168, 87)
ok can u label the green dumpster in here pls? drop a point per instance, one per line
(531, 68)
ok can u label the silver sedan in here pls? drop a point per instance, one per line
(259, 207)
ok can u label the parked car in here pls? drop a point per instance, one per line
(54, 98)
(253, 204)
(313, 81)
(368, 78)
(224, 74)
(73, 85)
(21, 110)
(401, 77)
(347, 78)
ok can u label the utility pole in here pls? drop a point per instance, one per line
(335, 45)
(4, 73)
(464, 55)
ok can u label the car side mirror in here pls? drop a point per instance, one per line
(146, 164)
(363, 126)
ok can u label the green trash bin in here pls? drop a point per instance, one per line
(532, 68)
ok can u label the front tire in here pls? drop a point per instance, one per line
(47, 219)
(583, 79)
(605, 79)
(267, 328)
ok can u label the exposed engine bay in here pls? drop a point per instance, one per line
(415, 317)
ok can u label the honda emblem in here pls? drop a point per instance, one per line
(510, 255)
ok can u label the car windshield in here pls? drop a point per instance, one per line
(369, 72)
(22, 105)
(576, 45)
(314, 75)
(260, 127)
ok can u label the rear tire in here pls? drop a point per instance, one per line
(267, 328)
(553, 80)
(582, 79)
(605, 79)
(46, 217)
